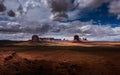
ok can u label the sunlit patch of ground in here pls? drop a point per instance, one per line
(70, 43)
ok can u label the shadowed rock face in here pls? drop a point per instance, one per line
(76, 38)
(35, 38)
(10, 56)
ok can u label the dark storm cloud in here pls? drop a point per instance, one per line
(17, 28)
(59, 8)
(2, 7)
(1, 1)
(59, 16)
(58, 5)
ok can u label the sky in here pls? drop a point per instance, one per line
(97, 20)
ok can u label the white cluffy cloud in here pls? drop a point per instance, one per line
(30, 10)
(114, 8)
(89, 3)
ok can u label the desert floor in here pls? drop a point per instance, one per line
(59, 58)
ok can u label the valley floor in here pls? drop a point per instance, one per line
(25, 58)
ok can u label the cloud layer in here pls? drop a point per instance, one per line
(84, 29)
(114, 8)
(50, 18)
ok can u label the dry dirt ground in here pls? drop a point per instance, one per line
(63, 58)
